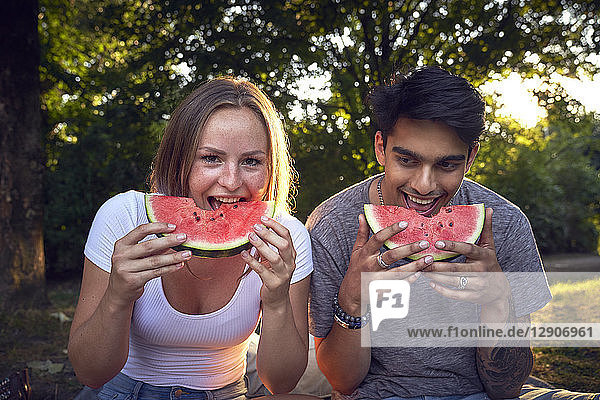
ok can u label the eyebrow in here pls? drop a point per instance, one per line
(452, 157)
(247, 154)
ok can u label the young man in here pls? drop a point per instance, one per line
(429, 125)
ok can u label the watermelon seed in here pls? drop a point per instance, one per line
(212, 219)
(195, 213)
(448, 210)
(235, 206)
(221, 214)
(450, 224)
(197, 218)
(427, 234)
(441, 225)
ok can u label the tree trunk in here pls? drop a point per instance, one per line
(22, 279)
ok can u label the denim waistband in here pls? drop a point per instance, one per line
(122, 387)
(474, 396)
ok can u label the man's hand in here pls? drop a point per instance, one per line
(485, 282)
(502, 370)
(364, 259)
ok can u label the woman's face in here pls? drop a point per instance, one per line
(231, 162)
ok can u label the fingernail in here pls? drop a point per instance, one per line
(258, 227)
(170, 226)
(440, 244)
(244, 254)
(186, 254)
(264, 218)
(402, 224)
(181, 265)
(417, 274)
(428, 259)
(253, 236)
(423, 244)
(181, 236)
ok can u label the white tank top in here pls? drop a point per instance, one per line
(162, 338)
(168, 347)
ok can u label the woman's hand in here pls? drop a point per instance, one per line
(274, 266)
(134, 263)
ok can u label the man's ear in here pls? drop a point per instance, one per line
(472, 155)
(379, 148)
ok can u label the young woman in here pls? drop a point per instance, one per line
(152, 322)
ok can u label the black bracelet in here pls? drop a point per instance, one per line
(348, 321)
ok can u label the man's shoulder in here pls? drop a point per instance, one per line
(340, 205)
(472, 192)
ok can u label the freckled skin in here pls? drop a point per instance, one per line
(232, 158)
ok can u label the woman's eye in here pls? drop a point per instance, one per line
(210, 159)
(252, 162)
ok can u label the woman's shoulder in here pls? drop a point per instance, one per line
(127, 205)
(288, 220)
(125, 199)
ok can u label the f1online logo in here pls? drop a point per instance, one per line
(389, 300)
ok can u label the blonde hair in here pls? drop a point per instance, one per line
(177, 150)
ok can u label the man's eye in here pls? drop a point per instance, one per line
(448, 166)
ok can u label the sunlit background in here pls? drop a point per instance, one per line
(516, 98)
(514, 95)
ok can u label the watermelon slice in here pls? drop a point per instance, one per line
(456, 223)
(211, 233)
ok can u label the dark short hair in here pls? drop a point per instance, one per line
(429, 93)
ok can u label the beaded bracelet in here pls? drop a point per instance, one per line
(348, 321)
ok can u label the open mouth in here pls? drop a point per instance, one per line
(424, 207)
(216, 201)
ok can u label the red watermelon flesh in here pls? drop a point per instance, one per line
(210, 233)
(456, 223)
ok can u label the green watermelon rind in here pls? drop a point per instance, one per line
(204, 249)
(213, 253)
(438, 255)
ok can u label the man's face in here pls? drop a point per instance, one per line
(424, 162)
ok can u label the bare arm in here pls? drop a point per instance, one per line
(340, 355)
(284, 308)
(504, 370)
(284, 331)
(99, 336)
(99, 320)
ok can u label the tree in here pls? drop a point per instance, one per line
(113, 71)
(111, 74)
(359, 43)
(22, 280)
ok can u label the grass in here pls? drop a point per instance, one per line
(38, 339)
(577, 368)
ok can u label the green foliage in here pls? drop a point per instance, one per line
(112, 72)
(548, 173)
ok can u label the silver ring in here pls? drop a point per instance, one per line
(462, 282)
(382, 263)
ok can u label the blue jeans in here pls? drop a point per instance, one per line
(122, 387)
(474, 396)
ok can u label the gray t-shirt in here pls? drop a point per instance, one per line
(417, 371)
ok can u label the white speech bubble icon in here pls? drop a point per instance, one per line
(389, 300)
